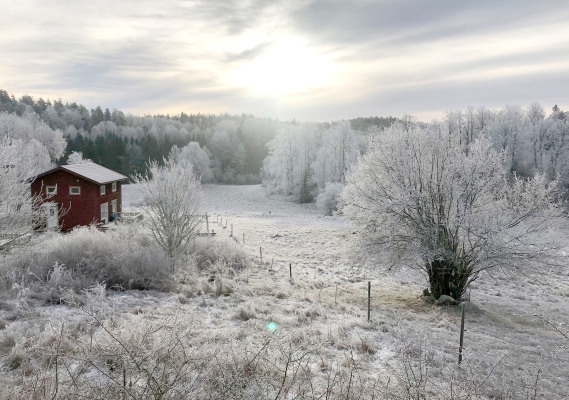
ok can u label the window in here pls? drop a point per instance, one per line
(114, 187)
(51, 189)
(114, 206)
(102, 189)
(105, 213)
(74, 189)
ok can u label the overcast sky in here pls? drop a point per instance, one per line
(309, 60)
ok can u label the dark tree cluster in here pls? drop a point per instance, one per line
(236, 144)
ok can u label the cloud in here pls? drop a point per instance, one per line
(249, 54)
(379, 57)
(415, 21)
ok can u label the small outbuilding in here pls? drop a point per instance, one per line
(78, 195)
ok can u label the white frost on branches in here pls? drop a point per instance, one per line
(19, 162)
(30, 127)
(172, 196)
(27, 147)
(195, 157)
(76, 157)
(419, 196)
(308, 154)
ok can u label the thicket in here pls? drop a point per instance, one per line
(57, 267)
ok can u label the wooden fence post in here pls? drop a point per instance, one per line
(261, 253)
(368, 300)
(290, 269)
(207, 223)
(336, 295)
(461, 333)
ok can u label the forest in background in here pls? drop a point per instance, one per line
(302, 161)
(236, 145)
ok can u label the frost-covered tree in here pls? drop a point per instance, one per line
(76, 157)
(287, 167)
(327, 200)
(337, 153)
(171, 195)
(27, 147)
(506, 131)
(31, 127)
(19, 162)
(192, 155)
(421, 199)
(228, 153)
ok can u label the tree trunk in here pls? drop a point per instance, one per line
(446, 277)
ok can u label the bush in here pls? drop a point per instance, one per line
(210, 251)
(122, 257)
(327, 200)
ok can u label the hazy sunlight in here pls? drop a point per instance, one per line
(287, 67)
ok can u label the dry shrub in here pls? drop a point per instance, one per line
(86, 256)
(213, 251)
(143, 356)
(245, 312)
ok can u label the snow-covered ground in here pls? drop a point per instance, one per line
(513, 344)
(514, 322)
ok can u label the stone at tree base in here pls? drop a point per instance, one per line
(446, 300)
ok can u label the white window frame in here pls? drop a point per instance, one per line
(104, 213)
(114, 206)
(75, 187)
(102, 190)
(48, 187)
(114, 187)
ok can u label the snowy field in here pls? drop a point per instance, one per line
(513, 345)
(516, 341)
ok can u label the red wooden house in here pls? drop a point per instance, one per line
(78, 194)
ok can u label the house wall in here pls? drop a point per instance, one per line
(110, 196)
(83, 209)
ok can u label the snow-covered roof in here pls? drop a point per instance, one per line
(94, 172)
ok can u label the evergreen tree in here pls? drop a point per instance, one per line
(306, 188)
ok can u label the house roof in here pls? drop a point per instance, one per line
(89, 171)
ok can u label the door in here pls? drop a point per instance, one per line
(105, 213)
(52, 217)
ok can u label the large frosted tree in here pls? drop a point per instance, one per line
(423, 200)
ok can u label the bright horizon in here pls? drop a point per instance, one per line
(303, 60)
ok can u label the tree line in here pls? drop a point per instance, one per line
(235, 145)
(307, 161)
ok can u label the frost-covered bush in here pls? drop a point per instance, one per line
(123, 257)
(209, 251)
(327, 200)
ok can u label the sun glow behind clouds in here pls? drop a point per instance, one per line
(287, 67)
